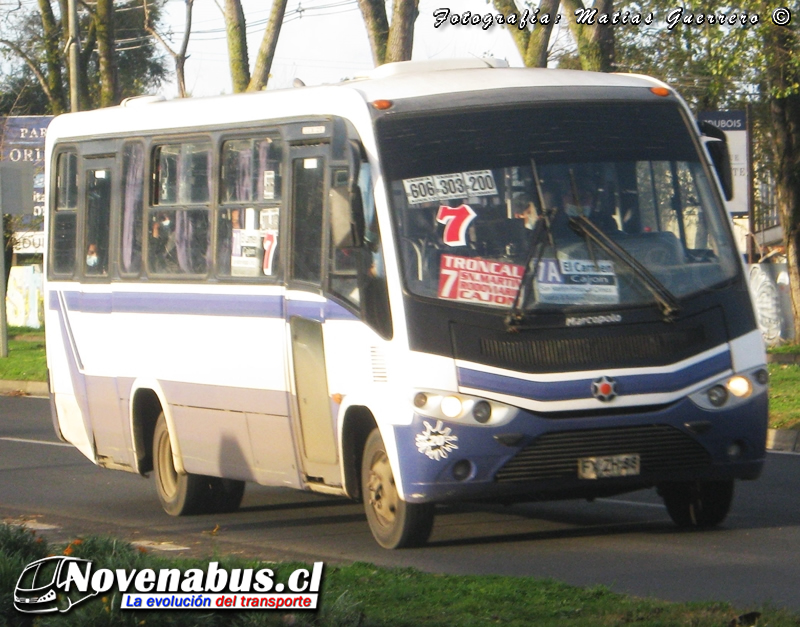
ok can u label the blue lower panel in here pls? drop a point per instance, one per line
(536, 458)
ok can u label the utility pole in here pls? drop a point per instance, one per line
(74, 51)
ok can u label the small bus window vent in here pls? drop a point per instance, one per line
(379, 374)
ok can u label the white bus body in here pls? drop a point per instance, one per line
(221, 306)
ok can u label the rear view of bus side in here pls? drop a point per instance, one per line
(446, 282)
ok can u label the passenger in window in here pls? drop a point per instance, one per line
(92, 260)
(236, 219)
(162, 244)
(524, 208)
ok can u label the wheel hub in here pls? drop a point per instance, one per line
(382, 490)
(167, 474)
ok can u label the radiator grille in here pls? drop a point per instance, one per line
(555, 455)
(577, 352)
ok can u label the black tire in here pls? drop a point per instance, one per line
(226, 494)
(394, 523)
(697, 504)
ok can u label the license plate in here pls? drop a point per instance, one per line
(611, 466)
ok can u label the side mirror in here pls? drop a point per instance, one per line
(347, 217)
(717, 146)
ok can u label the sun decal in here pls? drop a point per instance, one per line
(436, 442)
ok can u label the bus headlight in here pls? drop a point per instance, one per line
(451, 406)
(740, 386)
(732, 390)
(478, 412)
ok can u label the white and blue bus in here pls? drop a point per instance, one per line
(444, 282)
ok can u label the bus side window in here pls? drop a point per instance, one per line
(179, 231)
(65, 221)
(357, 274)
(98, 211)
(249, 213)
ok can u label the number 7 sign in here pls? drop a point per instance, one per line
(456, 221)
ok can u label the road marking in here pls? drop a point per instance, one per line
(634, 503)
(160, 546)
(26, 441)
(31, 524)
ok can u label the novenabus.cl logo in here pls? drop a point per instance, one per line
(56, 584)
(47, 585)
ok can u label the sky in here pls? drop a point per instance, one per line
(322, 41)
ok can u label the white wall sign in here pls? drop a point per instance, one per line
(734, 124)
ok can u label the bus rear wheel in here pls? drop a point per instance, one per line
(697, 504)
(394, 523)
(184, 493)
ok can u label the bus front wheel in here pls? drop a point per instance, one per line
(697, 504)
(394, 523)
(184, 493)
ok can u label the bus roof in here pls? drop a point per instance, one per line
(394, 81)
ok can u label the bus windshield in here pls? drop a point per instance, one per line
(467, 189)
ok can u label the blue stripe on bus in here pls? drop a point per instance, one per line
(247, 305)
(582, 388)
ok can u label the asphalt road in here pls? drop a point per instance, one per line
(627, 543)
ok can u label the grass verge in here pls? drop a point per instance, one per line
(26, 356)
(785, 349)
(363, 595)
(784, 396)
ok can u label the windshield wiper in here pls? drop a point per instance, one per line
(667, 302)
(538, 241)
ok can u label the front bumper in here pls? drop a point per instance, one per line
(536, 458)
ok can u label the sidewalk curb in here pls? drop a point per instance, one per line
(783, 358)
(24, 388)
(784, 440)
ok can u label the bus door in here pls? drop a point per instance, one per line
(95, 330)
(305, 311)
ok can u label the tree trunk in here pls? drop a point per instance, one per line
(377, 23)
(782, 45)
(595, 41)
(88, 45)
(53, 58)
(104, 18)
(531, 44)
(268, 44)
(237, 45)
(401, 31)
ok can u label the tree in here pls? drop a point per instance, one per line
(716, 67)
(532, 44)
(238, 58)
(781, 49)
(21, 94)
(178, 56)
(711, 66)
(594, 38)
(107, 61)
(118, 58)
(390, 42)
